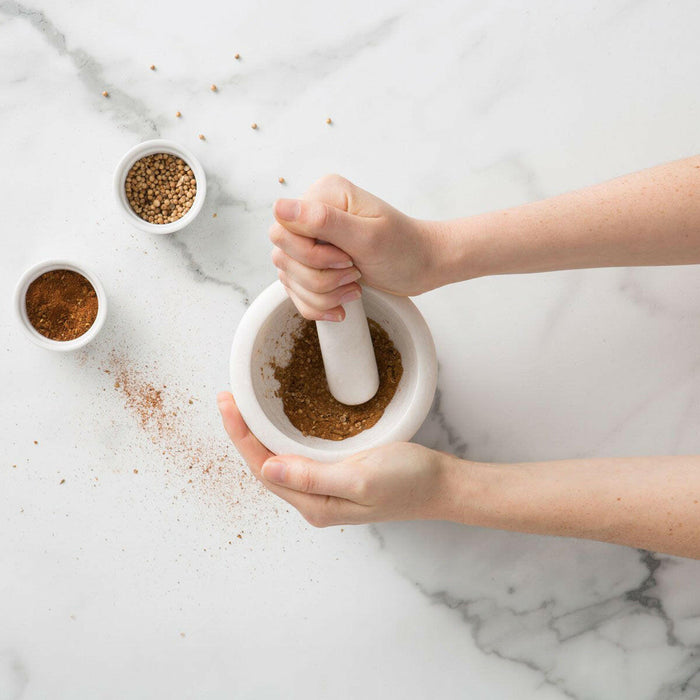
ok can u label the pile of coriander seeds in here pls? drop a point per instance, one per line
(160, 188)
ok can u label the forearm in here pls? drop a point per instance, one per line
(647, 218)
(647, 502)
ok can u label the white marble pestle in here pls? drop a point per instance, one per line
(348, 356)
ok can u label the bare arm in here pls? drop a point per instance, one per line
(647, 502)
(648, 218)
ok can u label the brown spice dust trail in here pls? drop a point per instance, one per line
(165, 414)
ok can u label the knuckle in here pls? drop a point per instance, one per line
(360, 489)
(318, 257)
(320, 283)
(331, 181)
(276, 233)
(307, 312)
(305, 478)
(316, 216)
(316, 518)
(326, 302)
(278, 258)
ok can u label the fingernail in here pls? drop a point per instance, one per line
(341, 265)
(350, 277)
(274, 471)
(287, 209)
(350, 296)
(331, 317)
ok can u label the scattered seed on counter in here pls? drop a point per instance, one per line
(281, 181)
(178, 114)
(213, 216)
(105, 93)
(201, 137)
(160, 188)
(329, 120)
(213, 87)
(152, 67)
(253, 126)
(61, 482)
(237, 56)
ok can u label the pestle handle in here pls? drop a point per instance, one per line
(348, 356)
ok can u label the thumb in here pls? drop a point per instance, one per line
(314, 219)
(307, 476)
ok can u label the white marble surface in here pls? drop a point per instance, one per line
(118, 584)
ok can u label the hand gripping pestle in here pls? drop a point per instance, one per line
(348, 356)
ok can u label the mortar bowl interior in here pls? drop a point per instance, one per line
(264, 338)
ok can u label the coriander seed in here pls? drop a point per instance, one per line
(253, 126)
(178, 114)
(152, 67)
(160, 188)
(105, 93)
(281, 181)
(329, 120)
(201, 137)
(237, 56)
(213, 87)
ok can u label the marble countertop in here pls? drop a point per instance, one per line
(159, 568)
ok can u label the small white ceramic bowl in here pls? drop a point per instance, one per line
(265, 333)
(21, 308)
(148, 148)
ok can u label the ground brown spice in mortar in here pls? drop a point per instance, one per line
(61, 304)
(308, 402)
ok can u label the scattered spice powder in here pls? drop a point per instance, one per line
(161, 188)
(309, 404)
(61, 304)
(165, 416)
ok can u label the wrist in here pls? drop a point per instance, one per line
(458, 251)
(457, 489)
(474, 493)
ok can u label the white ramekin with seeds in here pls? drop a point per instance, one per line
(152, 204)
